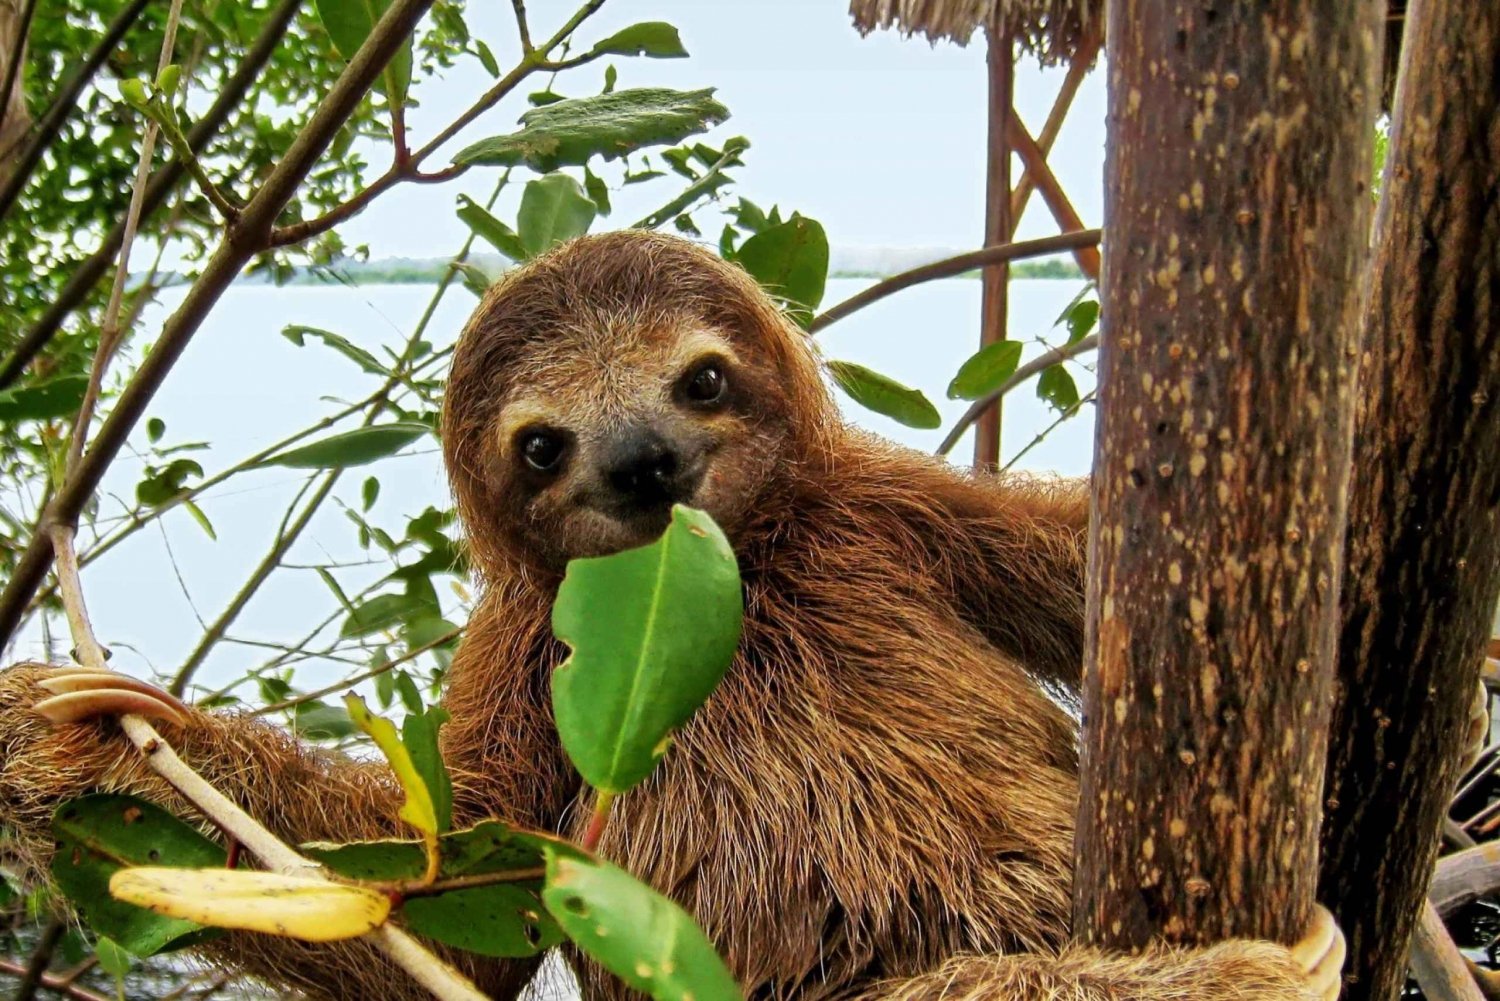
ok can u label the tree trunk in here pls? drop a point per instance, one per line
(15, 119)
(1237, 194)
(1423, 555)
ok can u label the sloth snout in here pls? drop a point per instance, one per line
(645, 470)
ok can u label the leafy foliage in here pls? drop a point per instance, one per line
(885, 395)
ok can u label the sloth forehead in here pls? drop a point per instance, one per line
(605, 369)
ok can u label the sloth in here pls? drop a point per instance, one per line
(877, 802)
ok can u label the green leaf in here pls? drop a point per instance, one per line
(652, 631)
(486, 58)
(320, 721)
(885, 395)
(201, 519)
(791, 262)
(634, 932)
(352, 448)
(298, 334)
(1081, 320)
(349, 23)
(99, 835)
(597, 190)
(494, 232)
(60, 397)
(411, 699)
(609, 125)
(165, 484)
(554, 209)
(369, 492)
(1057, 388)
(655, 39)
(134, 93)
(167, 79)
(611, 75)
(112, 959)
(418, 809)
(384, 611)
(155, 428)
(985, 371)
(419, 732)
(476, 280)
(542, 98)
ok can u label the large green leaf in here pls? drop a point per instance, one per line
(495, 232)
(652, 631)
(885, 395)
(656, 39)
(634, 932)
(348, 23)
(1056, 386)
(985, 371)
(608, 125)
(419, 732)
(58, 397)
(553, 209)
(790, 261)
(383, 611)
(352, 448)
(101, 834)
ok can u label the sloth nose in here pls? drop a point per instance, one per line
(645, 471)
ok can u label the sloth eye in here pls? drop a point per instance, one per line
(542, 450)
(706, 385)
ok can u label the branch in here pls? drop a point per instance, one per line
(17, 57)
(690, 194)
(1437, 964)
(1020, 375)
(240, 244)
(72, 295)
(522, 29)
(1034, 442)
(947, 268)
(53, 982)
(374, 672)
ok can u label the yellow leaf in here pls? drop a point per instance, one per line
(293, 906)
(418, 810)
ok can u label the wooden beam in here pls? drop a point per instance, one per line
(998, 225)
(1052, 193)
(1077, 70)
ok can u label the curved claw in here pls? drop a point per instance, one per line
(1320, 955)
(82, 694)
(1479, 726)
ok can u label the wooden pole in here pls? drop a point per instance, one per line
(1052, 192)
(997, 228)
(1239, 151)
(1423, 554)
(1077, 70)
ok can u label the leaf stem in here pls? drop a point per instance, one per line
(598, 822)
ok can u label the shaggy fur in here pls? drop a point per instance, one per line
(878, 802)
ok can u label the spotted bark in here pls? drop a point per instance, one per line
(1423, 554)
(1236, 205)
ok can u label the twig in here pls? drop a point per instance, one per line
(17, 57)
(1033, 443)
(373, 672)
(109, 329)
(998, 254)
(54, 983)
(41, 956)
(691, 193)
(408, 889)
(1021, 374)
(522, 28)
(1436, 962)
(240, 244)
(163, 181)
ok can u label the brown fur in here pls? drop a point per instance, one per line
(878, 802)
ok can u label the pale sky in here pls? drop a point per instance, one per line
(880, 138)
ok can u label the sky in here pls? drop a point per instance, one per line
(880, 138)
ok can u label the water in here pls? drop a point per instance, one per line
(241, 385)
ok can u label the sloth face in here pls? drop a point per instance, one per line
(603, 427)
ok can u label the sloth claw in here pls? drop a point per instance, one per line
(1320, 955)
(81, 694)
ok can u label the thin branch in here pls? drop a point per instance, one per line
(690, 194)
(1437, 964)
(109, 329)
(522, 28)
(240, 244)
(162, 183)
(374, 672)
(1021, 374)
(53, 982)
(408, 888)
(947, 268)
(1033, 443)
(41, 955)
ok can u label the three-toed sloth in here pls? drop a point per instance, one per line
(878, 801)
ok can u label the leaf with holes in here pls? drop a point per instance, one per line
(1056, 387)
(885, 395)
(985, 371)
(99, 835)
(608, 125)
(554, 209)
(654, 39)
(1081, 319)
(634, 932)
(790, 261)
(652, 631)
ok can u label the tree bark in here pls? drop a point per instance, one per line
(1237, 193)
(1423, 553)
(998, 226)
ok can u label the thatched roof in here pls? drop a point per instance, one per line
(1052, 30)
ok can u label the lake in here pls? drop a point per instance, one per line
(241, 385)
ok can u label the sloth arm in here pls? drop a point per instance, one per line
(1013, 551)
(299, 792)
